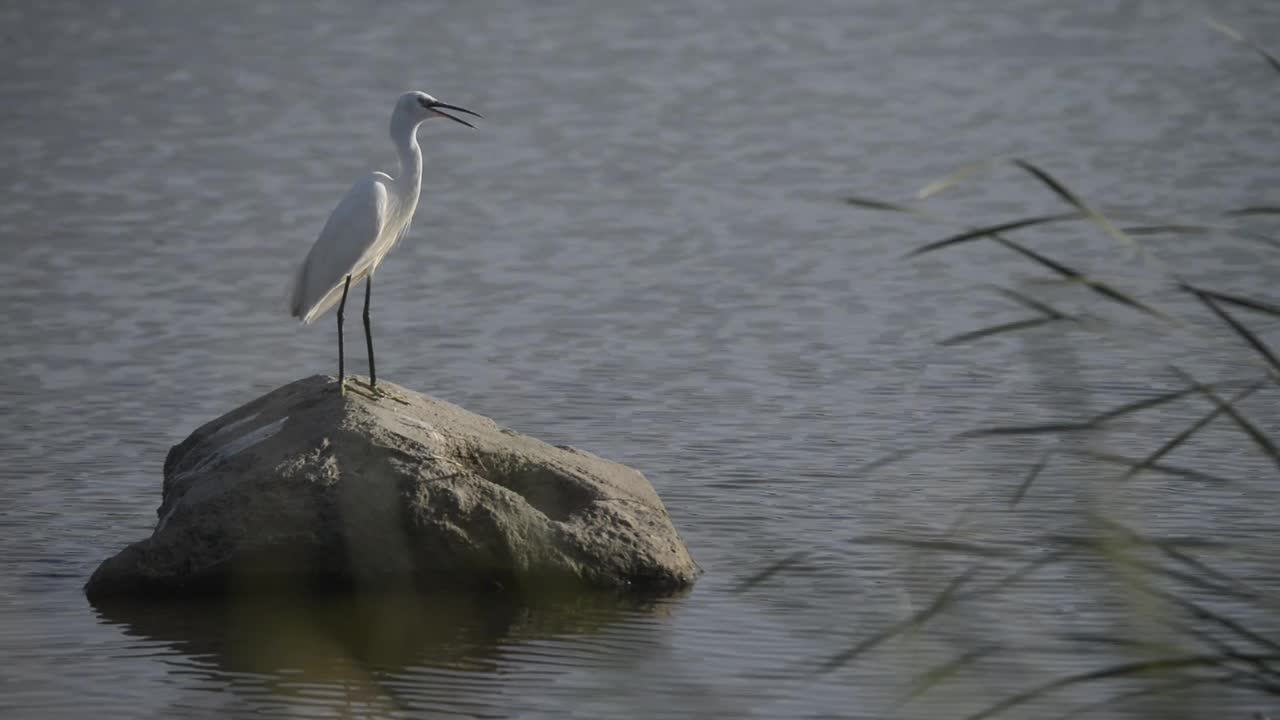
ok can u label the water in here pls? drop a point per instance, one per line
(642, 252)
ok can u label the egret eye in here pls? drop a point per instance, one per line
(424, 102)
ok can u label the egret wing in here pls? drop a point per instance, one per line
(352, 229)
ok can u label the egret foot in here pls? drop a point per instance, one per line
(373, 392)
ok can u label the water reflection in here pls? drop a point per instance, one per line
(384, 632)
(347, 648)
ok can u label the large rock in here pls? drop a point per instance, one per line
(305, 486)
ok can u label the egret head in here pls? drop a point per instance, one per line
(421, 107)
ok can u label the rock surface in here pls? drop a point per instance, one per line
(307, 486)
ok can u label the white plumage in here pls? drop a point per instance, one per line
(368, 221)
(351, 243)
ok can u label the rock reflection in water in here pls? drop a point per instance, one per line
(344, 648)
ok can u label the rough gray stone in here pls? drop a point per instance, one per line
(305, 486)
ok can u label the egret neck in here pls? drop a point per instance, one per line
(404, 133)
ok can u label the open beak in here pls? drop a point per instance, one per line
(439, 108)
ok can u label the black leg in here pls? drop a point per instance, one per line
(342, 386)
(368, 332)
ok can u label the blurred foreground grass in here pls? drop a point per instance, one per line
(1188, 627)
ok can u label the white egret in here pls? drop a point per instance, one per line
(366, 224)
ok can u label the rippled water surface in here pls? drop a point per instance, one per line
(643, 251)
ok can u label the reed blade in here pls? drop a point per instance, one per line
(990, 230)
(1122, 670)
(1041, 429)
(1184, 577)
(940, 603)
(1074, 200)
(1261, 306)
(937, 675)
(1175, 229)
(961, 174)
(1177, 440)
(1200, 612)
(1254, 210)
(1259, 438)
(891, 458)
(1030, 478)
(1236, 35)
(1210, 302)
(1173, 470)
(1031, 302)
(1094, 422)
(997, 329)
(1147, 404)
(872, 204)
(1167, 229)
(939, 545)
(1192, 562)
(1077, 276)
(1153, 689)
(768, 572)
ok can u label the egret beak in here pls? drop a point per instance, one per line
(435, 107)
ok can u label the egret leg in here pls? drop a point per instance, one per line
(368, 332)
(342, 381)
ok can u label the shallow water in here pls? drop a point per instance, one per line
(642, 252)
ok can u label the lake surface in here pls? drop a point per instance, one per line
(643, 251)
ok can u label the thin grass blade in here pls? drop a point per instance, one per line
(1182, 576)
(1077, 276)
(1236, 35)
(1094, 422)
(1202, 613)
(1177, 440)
(1074, 200)
(1148, 403)
(939, 545)
(940, 603)
(990, 230)
(998, 329)
(1255, 210)
(1113, 641)
(937, 675)
(768, 572)
(1059, 427)
(893, 457)
(1181, 683)
(1226, 649)
(1244, 332)
(872, 204)
(962, 173)
(1166, 469)
(1171, 229)
(1029, 568)
(1261, 306)
(1250, 682)
(1042, 429)
(1259, 438)
(1092, 542)
(1031, 302)
(1175, 229)
(1090, 424)
(1129, 669)
(1030, 478)
(1199, 566)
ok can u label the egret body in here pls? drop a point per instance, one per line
(366, 224)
